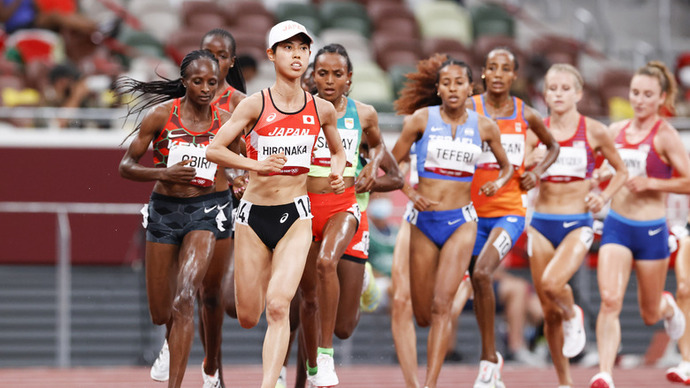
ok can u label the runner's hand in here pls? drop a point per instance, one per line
(272, 164)
(180, 173)
(337, 183)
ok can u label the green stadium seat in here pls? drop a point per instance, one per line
(304, 13)
(444, 19)
(398, 77)
(489, 19)
(370, 84)
(143, 42)
(343, 14)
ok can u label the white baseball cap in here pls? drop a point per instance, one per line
(286, 30)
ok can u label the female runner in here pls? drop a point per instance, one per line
(339, 227)
(635, 231)
(231, 88)
(189, 208)
(447, 140)
(273, 221)
(501, 218)
(560, 233)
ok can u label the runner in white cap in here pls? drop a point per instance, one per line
(273, 222)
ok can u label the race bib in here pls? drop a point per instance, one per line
(205, 170)
(571, 164)
(514, 146)
(297, 149)
(451, 158)
(322, 154)
(635, 160)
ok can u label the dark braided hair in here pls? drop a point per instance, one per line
(149, 94)
(421, 87)
(234, 77)
(333, 48)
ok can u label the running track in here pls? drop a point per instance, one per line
(351, 376)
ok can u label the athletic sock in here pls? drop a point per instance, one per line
(311, 370)
(328, 351)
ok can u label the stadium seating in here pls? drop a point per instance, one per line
(452, 47)
(392, 50)
(370, 84)
(197, 9)
(357, 46)
(557, 49)
(345, 15)
(183, 41)
(142, 41)
(398, 77)
(306, 14)
(491, 19)
(444, 19)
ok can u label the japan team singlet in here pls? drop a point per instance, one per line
(293, 134)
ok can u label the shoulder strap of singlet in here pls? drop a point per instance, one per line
(263, 107)
(478, 103)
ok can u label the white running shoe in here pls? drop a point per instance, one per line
(601, 380)
(210, 381)
(282, 378)
(574, 336)
(490, 374)
(160, 370)
(326, 376)
(675, 324)
(679, 374)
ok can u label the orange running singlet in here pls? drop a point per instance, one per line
(510, 199)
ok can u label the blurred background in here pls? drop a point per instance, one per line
(72, 289)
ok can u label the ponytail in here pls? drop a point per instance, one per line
(658, 70)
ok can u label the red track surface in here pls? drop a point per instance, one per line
(352, 376)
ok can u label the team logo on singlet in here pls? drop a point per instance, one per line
(271, 117)
(308, 119)
(349, 123)
(518, 127)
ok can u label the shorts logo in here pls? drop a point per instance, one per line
(567, 225)
(271, 117)
(210, 209)
(308, 119)
(654, 232)
(512, 219)
(284, 218)
(455, 221)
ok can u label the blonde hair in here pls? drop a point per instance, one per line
(658, 70)
(566, 68)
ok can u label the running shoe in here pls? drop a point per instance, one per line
(210, 381)
(525, 357)
(675, 324)
(490, 374)
(326, 376)
(282, 378)
(601, 380)
(680, 373)
(574, 336)
(160, 371)
(371, 297)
